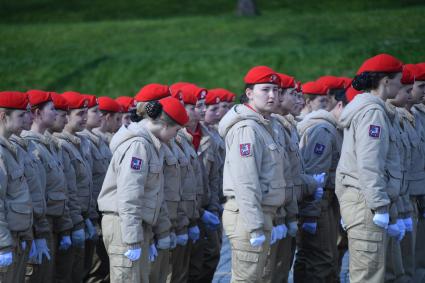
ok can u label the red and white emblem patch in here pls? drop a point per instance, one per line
(136, 163)
(245, 149)
(374, 131)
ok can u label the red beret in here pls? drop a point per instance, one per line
(351, 93)
(298, 86)
(75, 100)
(14, 100)
(381, 63)
(199, 92)
(127, 103)
(59, 102)
(152, 92)
(314, 88)
(261, 75)
(213, 97)
(189, 98)
(286, 81)
(230, 97)
(419, 72)
(347, 82)
(175, 88)
(108, 104)
(224, 94)
(91, 100)
(37, 97)
(175, 110)
(331, 82)
(408, 77)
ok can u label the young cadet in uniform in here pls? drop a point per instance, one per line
(110, 123)
(163, 239)
(76, 151)
(205, 253)
(191, 186)
(128, 105)
(320, 147)
(315, 96)
(131, 196)
(34, 174)
(334, 86)
(97, 262)
(57, 210)
(15, 210)
(362, 179)
(400, 146)
(416, 174)
(253, 175)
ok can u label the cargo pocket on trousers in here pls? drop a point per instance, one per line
(230, 218)
(367, 248)
(117, 257)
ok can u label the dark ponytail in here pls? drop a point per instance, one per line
(369, 80)
(153, 109)
(134, 117)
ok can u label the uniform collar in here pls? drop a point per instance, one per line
(20, 141)
(92, 136)
(35, 136)
(69, 137)
(7, 144)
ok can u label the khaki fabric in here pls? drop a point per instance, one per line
(180, 260)
(123, 269)
(253, 170)
(55, 185)
(160, 267)
(133, 186)
(248, 262)
(366, 241)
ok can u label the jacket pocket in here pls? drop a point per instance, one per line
(19, 217)
(55, 203)
(16, 178)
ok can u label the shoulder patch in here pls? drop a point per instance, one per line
(374, 131)
(136, 163)
(319, 148)
(245, 149)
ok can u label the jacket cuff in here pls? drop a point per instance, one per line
(256, 233)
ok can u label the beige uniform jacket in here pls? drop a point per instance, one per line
(36, 179)
(106, 137)
(101, 156)
(191, 176)
(419, 112)
(71, 185)
(77, 150)
(207, 153)
(320, 148)
(254, 166)
(362, 165)
(15, 200)
(304, 185)
(220, 156)
(55, 186)
(133, 187)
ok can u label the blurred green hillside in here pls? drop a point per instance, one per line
(115, 47)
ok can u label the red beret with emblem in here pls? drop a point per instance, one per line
(37, 97)
(351, 93)
(213, 97)
(331, 82)
(189, 98)
(220, 92)
(14, 100)
(175, 89)
(152, 92)
(314, 88)
(75, 100)
(261, 75)
(419, 72)
(91, 100)
(59, 102)
(108, 104)
(347, 82)
(408, 76)
(127, 103)
(175, 110)
(381, 63)
(199, 92)
(286, 81)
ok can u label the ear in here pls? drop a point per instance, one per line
(249, 93)
(2, 115)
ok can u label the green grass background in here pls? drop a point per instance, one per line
(113, 48)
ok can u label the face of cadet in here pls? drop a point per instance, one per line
(212, 115)
(47, 115)
(287, 100)
(125, 119)
(223, 108)
(60, 121)
(263, 97)
(201, 108)
(194, 116)
(418, 92)
(15, 121)
(319, 102)
(94, 117)
(168, 132)
(77, 119)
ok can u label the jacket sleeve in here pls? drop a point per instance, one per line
(182, 220)
(291, 210)
(163, 224)
(372, 142)
(131, 177)
(316, 151)
(6, 240)
(214, 184)
(71, 185)
(244, 173)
